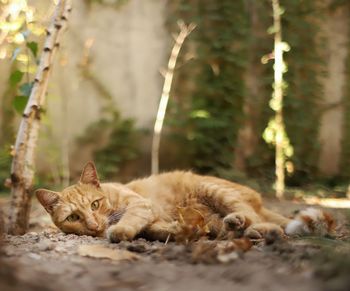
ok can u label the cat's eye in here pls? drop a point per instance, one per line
(95, 205)
(73, 217)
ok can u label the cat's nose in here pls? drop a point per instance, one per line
(91, 225)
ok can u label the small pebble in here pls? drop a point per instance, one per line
(137, 247)
(45, 245)
(34, 256)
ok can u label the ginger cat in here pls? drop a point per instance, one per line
(148, 207)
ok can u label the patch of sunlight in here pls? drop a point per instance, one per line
(11, 26)
(328, 202)
(23, 58)
(36, 29)
(18, 38)
(200, 114)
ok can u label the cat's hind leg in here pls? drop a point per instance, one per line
(274, 217)
(271, 227)
(238, 205)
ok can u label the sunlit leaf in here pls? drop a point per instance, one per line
(23, 58)
(15, 78)
(200, 114)
(11, 26)
(285, 46)
(191, 216)
(33, 46)
(18, 38)
(19, 103)
(36, 29)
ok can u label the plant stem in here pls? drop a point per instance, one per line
(278, 96)
(163, 103)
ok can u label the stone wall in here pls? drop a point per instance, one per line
(336, 30)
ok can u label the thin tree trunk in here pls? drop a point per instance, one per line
(331, 129)
(158, 125)
(248, 134)
(278, 98)
(22, 171)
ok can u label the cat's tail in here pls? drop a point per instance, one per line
(311, 221)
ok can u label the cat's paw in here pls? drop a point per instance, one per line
(117, 233)
(264, 230)
(234, 221)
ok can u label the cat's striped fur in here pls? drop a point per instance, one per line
(149, 206)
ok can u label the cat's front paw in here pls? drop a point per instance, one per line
(266, 230)
(117, 233)
(234, 221)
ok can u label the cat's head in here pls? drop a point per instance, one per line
(82, 208)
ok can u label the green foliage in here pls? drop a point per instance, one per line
(207, 109)
(260, 44)
(209, 116)
(15, 77)
(23, 56)
(5, 165)
(304, 92)
(33, 46)
(19, 103)
(115, 141)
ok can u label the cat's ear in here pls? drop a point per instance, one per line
(89, 175)
(47, 198)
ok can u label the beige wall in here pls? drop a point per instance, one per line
(130, 46)
(336, 29)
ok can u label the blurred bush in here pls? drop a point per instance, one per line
(115, 141)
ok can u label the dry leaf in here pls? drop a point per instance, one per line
(193, 224)
(244, 244)
(219, 251)
(102, 252)
(191, 216)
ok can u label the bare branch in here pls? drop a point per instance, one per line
(278, 97)
(158, 125)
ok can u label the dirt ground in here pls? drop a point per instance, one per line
(45, 259)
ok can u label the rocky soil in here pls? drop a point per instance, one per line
(46, 259)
